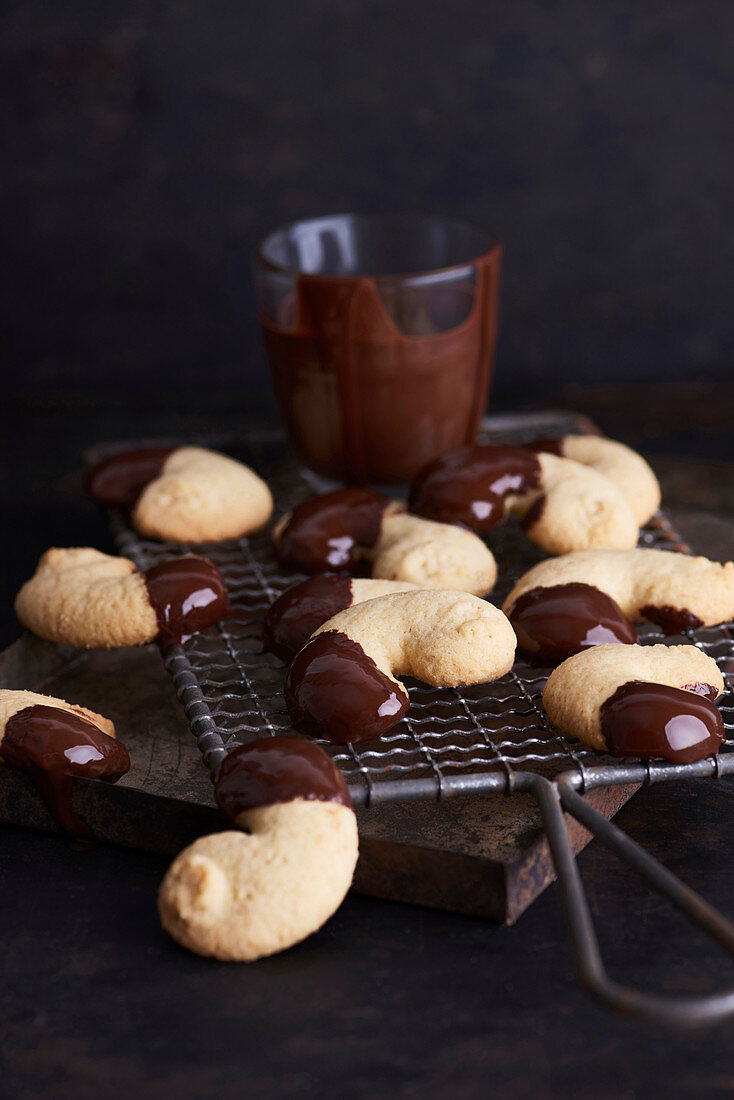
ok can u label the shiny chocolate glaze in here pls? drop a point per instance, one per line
(552, 623)
(703, 689)
(652, 720)
(328, 531)
(52, 746)
(187, 595)
(673, 620)
(470, 485)
(300, 610)
(277, 769)
(119, 480)
(335, 691)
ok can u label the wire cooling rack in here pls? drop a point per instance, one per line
(487, 738)
(476, 739)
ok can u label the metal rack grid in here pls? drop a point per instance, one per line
(483, 738)
(486, 738)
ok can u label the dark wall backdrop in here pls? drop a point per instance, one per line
(148, 145)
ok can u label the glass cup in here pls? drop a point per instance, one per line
(380, 331)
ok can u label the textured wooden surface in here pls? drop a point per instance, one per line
(387, 1000)
(482, 855)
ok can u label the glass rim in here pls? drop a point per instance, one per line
(494, 247)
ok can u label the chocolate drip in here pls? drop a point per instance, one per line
(652, 720)
(52, 746)
(119, 480)
(470, 485)
(277, 769)
(673, 620)
(301, 610)
(327, 532)
(335, 691)
(187, 595)
(552, 623)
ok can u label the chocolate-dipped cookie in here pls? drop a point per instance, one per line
(85, 598)
(343, 685)
(185, 494)
(240, 895)
(647, 701)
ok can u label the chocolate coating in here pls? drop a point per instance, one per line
(119, 480)
(534, 512)
(335, 691)
(187, 594)
(302, 609)
(546, 446)
(470, 485)
(652, 720)
(277, 769)
(673, 620)
(552, 623)
(327, 532)
(52, 746)
(708, 690)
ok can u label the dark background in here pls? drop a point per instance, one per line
(149, 145)
(146, 147)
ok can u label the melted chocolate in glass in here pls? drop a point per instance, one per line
(552, 623)
(187, 595)
(277, 769)
(470, 485)
(52, 746)
(327, 532)
(301, 610)
(652, 720)
(335, 691)
(673, 620)
(119, 480)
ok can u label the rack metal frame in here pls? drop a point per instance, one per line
(491, 738)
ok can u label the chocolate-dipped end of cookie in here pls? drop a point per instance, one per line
(119, 480)
(53, 746)
(653, 720)
(330, 532)
(302, 609)
(547, 445)
(277, 769)
(335, 691)
(187, 594)
(470, 485)
(671, 620)
(552, 623)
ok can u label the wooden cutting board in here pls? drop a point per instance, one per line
(483, 855)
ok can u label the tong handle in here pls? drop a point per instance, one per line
(689, 1011)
